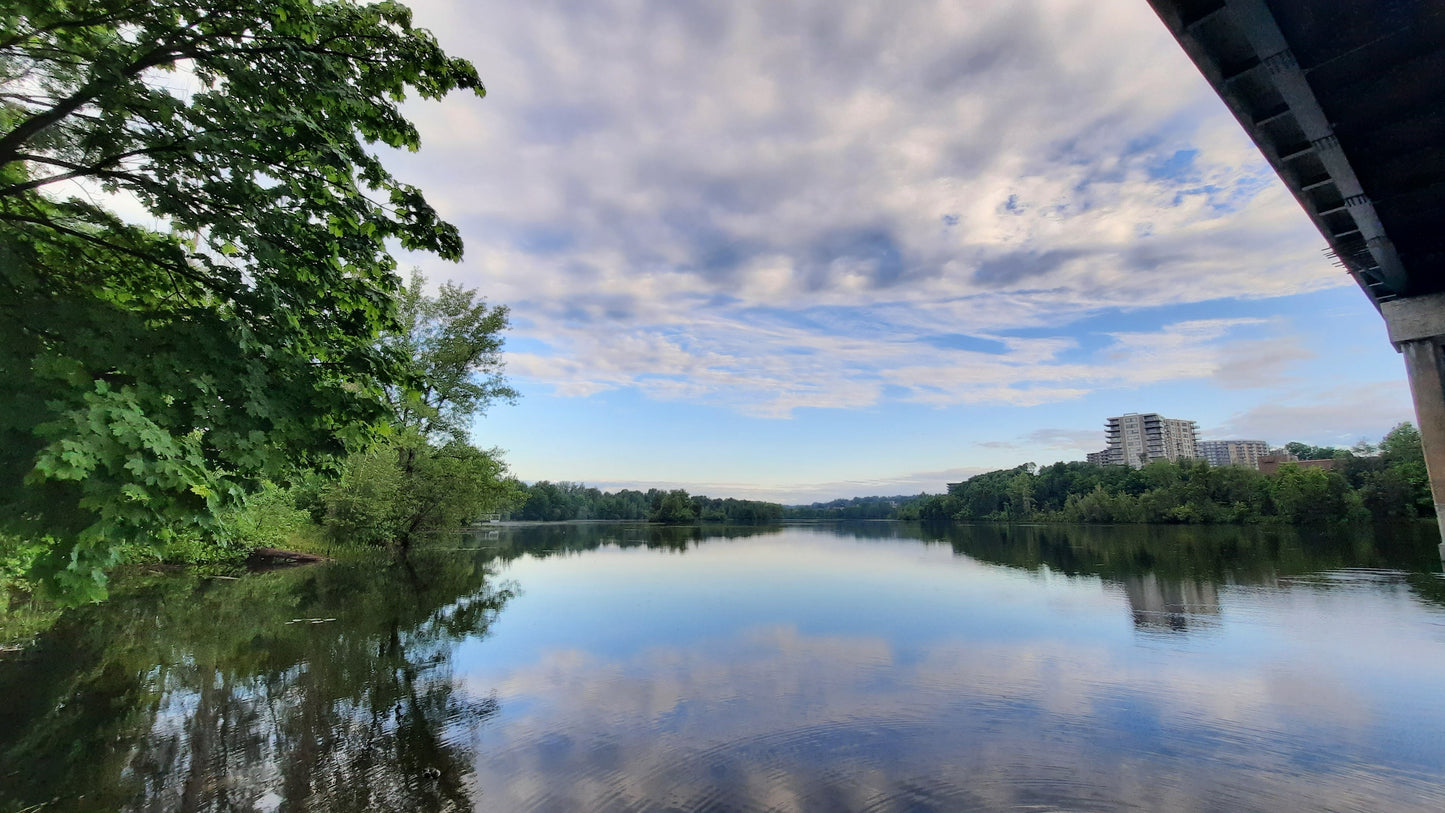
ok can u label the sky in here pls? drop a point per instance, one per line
(806, 250)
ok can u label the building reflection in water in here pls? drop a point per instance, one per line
(1171, 605)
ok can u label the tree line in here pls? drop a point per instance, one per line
(1382, 482)
(546, 501)
(854, 508)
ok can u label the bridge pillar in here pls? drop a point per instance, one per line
(1417, 329)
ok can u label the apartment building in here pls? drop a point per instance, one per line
(1135, 439)
(1233, 452)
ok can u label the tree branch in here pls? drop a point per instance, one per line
(39, 122)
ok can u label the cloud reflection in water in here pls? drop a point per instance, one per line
(1081, 706)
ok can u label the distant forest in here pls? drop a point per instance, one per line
(1382, 482)
(559, 502)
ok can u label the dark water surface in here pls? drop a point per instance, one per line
(873, 667)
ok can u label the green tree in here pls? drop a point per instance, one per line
(400, 490)
(1387, 494)
(1304, 451)
(673, 508)
(428, 477)
(544, 502)
(148, 377)
(1313, 495)
(990, 495)
(1404, 456)
(453, 346)
(1021, 496)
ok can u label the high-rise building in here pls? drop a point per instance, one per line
(1098, 458)
(1233, 452)
(1136, 439)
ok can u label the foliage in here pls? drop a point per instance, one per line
(1392, 484)
(22, 613)
(149, 377)
(1392, 481)
(453, 346)
(1403, 455)
(734, 511)
(1305, 451)
(269, 518)
(854, 508)
(546, 501)
(1187, 491)
(428, 478)
(397, 491)
(1389, 485)
(673, 508)
(23, 617)
(1303, 495)
(929, 508)
(1384, 482)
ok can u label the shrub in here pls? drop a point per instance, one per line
(397, 491)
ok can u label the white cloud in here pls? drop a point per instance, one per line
(1073, 439)
(771, 206)
(849, 715)
(771, 370)
(1262, 363)
(1325, 415)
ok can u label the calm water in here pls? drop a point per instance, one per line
(874, 667)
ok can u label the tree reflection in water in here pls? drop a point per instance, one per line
(183, 693)
(1171, 575)
(232, 703)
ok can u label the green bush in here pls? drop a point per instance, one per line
(400, 490)
(363, 506)
(269, 518)
(23, 614)
(17, 556)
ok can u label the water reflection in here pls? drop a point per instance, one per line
(874, 666)
(550, 539)
(874, 675)
(1171, 605)
(1172, 575)
(325, 683)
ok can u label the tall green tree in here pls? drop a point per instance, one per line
(427, 477)
(1404, 456)
(149, 374)
(452, 344)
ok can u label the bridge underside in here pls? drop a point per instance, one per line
(1346, 100)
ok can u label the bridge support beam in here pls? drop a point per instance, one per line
(1417, 329)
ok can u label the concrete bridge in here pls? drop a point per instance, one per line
(1346, 99)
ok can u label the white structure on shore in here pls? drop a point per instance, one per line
(1135, 439)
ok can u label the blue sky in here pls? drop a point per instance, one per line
(805, 250)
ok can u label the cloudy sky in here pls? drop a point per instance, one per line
(802, 250)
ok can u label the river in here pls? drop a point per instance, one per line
(870, 667)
